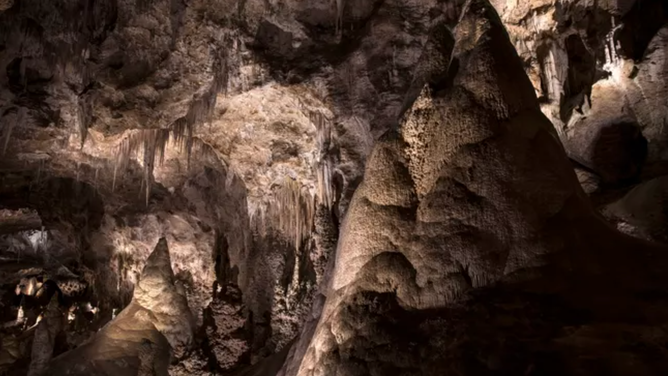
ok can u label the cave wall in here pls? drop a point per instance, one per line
(240, 131)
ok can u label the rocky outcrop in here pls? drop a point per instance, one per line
(643, 211)
(647, 89)
(156, 325)
(591, 65)
(470, 220)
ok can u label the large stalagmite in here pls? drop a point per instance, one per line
(470, 226)
(157, 317)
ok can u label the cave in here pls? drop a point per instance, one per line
(344, 188)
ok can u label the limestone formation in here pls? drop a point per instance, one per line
(45, 337)
(642, 212)
(334, 187)
(157, 293)
(472, 197)
(153, 327)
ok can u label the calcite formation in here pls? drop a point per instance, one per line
(323, 187)
(153, 327)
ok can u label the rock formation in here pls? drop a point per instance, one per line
(468, 216)
(45, 337)
(156, 325)
(334, 187)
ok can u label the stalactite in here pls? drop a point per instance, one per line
(340, 5)
(291, 208)
(290, 211)
(201, 109)
(182, 132)
(324, 164)
(554, 81)
(9, 127)
(295, 211)
(324, 178)
(152, 142)
(84, 117)
(612, 59)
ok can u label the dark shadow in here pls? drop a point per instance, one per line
(58, 200)
(619, 153)
(641, 23)
(581, 67)
(225, 273)
(295, 64)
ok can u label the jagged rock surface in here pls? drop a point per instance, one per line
(467, 217)
(239, 131)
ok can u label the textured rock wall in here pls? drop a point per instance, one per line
(240, 130)
(597, 69)
(474, 190)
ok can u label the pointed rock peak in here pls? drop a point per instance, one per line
(157, 293)
(432, 67)
(476, 17)
(487, 96)
(158, 265)
(488, 66)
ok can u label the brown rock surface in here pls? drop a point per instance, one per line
(240, 132)
(469, 221)
(154, 326)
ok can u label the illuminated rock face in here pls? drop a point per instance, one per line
(595, 69)
(156, 325)
(474, 190)
(323, 171)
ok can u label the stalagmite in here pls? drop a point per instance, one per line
(7, 132)
(469, 213)
(158, 314)
(45, 337)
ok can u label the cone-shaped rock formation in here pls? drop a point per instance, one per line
(470, 247)
(138, 340)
